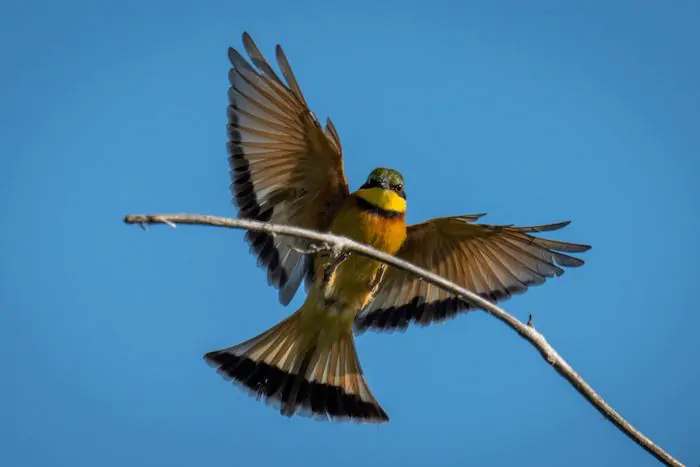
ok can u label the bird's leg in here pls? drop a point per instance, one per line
(374, 285)
(377, 280)
(335, 259)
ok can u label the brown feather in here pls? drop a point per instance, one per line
(301, 373)
(490, 260)
(285, 168)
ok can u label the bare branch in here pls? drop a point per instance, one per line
(526, 330)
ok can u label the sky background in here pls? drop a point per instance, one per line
(534, 112)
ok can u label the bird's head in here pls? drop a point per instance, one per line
(384, 188)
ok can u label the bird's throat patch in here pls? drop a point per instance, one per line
(383, 199)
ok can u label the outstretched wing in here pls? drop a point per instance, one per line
(493, 261)
(285, 168)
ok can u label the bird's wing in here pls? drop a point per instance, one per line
(491, 260)
(285, 168)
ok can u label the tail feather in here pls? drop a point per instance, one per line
(302, 373)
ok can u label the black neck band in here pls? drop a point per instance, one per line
(369, 207)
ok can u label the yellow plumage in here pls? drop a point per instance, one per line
(352, 282)
(286, 168)
(385, 199)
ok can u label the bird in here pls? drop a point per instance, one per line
(287, 168)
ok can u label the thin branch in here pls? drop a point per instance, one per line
(526, 331)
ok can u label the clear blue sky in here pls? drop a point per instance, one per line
(531, 111)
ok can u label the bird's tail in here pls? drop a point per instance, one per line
(302, 368)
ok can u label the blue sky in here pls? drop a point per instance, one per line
(533, 112)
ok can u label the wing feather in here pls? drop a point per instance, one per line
(494, 261)
(285, 168)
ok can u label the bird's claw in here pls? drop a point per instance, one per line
(311, 249)
(336, 258)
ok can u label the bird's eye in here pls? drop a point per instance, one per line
(398, 187)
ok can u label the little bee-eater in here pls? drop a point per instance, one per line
(288, 169)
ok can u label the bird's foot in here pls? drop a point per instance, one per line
(335, 259)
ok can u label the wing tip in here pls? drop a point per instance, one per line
(569, 261)
(288, 289)
(231, 55)
(248, 41)
(550, 227)
(474, 217)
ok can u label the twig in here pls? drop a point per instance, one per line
(527, 332)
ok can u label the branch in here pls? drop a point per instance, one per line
(526, 331)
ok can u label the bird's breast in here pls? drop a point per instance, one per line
(385, 233)
(353, 279)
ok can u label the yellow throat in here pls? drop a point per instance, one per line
(383, 198)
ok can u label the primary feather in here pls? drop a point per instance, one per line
(285, 168)
(493, 261)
